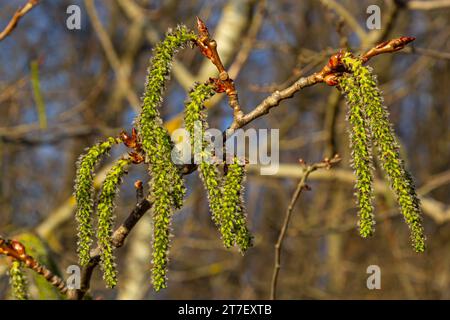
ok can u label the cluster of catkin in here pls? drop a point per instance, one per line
(166, 187)
(225, 192)
(369, 124)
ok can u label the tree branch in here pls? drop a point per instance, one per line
(16, 250)
(307, 170)
(118, 239)
(16, 18)
(347, 16)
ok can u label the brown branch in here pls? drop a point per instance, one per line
(428, 52)
(208, 47)
(16, 250)
(390, 46)
(326, 163)
(16, 18)
(328, 74)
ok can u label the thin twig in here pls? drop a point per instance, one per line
(428, 52)
(428, 5)
(139, 191)
(331, 70)
(248, 42)
(119, 66)
(326, 163)
(16, 18)
(208, 47)
(347, 16)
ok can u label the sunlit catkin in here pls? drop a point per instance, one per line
(156, 141)
(84, 193)
(166, 184)
(233, 210)
(361, 154)
(224, 192)
(106, 219)
(388, 149)
(196, 124)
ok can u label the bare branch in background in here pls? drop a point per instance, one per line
(16, 18)
(428, 5)
(307, 170)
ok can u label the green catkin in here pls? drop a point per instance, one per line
(18, 281)
(209, 172)
(388, 150)
(233, 209)
(105, 209)
(224, 195)
(162, 217)
(360, 142)
(84, 193)
(166, 185)
(156, 141)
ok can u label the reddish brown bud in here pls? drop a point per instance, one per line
(331, 79)
(219, 85)
(130, 141)
(18, 247)
(202, 29)
(138, 184)
(403, 41)
(335, 60)
(387, 46)
(123, 135)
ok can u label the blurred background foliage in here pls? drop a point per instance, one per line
(63, 90)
